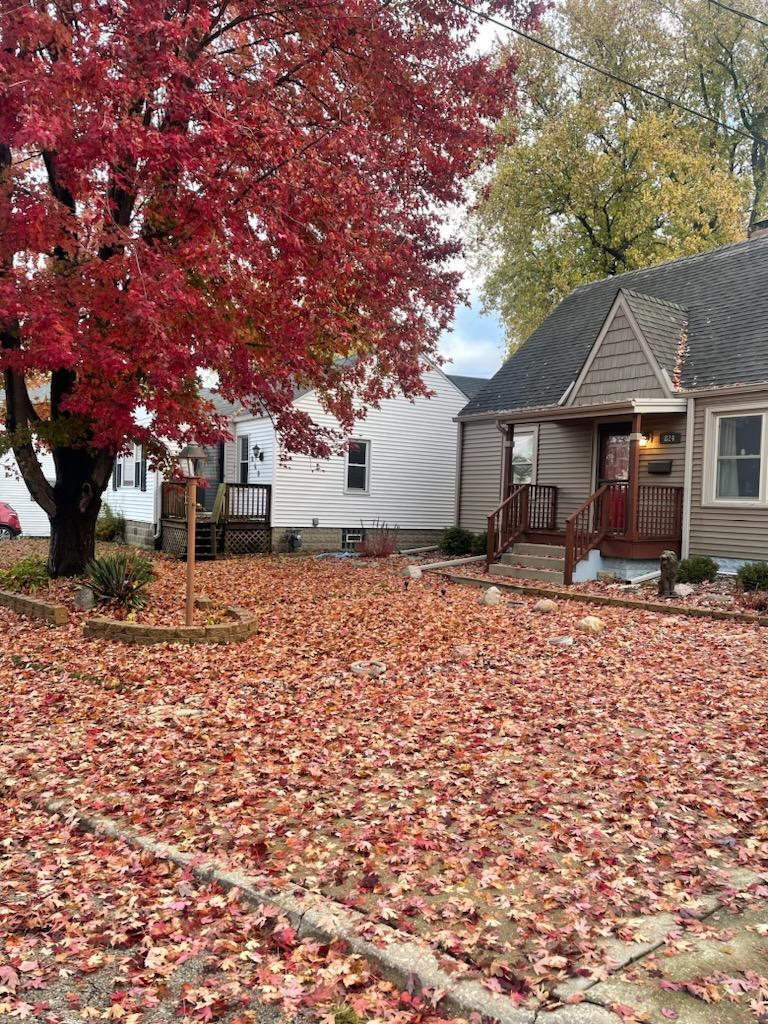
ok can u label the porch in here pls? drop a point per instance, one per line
(594, 492)
(236, 522)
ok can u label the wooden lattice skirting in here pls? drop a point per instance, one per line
(232, 538)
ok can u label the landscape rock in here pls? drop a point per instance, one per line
(85, 599)
(491, 596)
(545, 605)
(201, 601)
(591, 624)
(724, 600)
(411, 572)
(372, 668)
(463, 652)
(684, 590)
(607, 577)
(561, 641)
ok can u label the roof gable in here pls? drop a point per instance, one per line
(620, 364)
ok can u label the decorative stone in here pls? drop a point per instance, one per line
(725, 600)
(668, 565)
(561, 641)
(491, 596)
(607, 577)
(85, 599)
(411, 572)
(464, 652)
(683, 590)
(201, 601)
(591, 624)
(374, 669)
(545, 605)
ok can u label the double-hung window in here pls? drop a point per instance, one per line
(358, 465)
(736, 453)
(244, 455)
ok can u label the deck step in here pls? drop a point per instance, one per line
(532, 575)
(548, 550)
(534, 561)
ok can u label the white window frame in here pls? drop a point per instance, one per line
(346, 543)
(711, 439)
(128, 469)
(533, 432)
(367, 488)
(243, 439)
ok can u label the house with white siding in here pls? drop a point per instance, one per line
(398, 469)
(634, 420)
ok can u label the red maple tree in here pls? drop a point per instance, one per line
(251, 187)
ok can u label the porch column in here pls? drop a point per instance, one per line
(634, 477)
(506, 461)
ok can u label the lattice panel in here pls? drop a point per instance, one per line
(241, 540)
(174, 540)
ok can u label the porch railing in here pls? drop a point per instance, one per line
(528, 507)
(233, 502)
(658, 515)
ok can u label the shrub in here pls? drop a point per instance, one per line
(110, 525)
(25, 576)
(753, 576)
(456, 541)
(697, 569)
(480, 544)
(755, 601)
(377, 544)
(120, 579)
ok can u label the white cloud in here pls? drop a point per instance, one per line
(475, 345)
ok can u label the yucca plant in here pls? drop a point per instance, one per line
(120, 579)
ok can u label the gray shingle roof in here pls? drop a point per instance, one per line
(723, 293)
(469, 385)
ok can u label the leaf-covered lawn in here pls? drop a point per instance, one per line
(513, 804)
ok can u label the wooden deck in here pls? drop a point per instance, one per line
(239, 522)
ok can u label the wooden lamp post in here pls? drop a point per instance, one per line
(190, 460)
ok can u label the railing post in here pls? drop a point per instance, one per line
(490, 545)
(570, 543)
(525, 505)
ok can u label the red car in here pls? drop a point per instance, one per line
(10, 526)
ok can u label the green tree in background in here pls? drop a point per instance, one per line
(596, 178)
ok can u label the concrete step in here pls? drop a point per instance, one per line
(533, 561)
(529, 574)
(548, 550)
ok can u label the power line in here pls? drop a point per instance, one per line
(741, 14)
(602, 71)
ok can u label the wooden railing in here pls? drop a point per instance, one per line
(248, 501)
(660, 511)
(233, 502)
(528, 507)
(609, 513)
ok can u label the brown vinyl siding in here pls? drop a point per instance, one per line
(565, 461)
(724, 531)
(655, 452)
(481, 447)
(619, 370)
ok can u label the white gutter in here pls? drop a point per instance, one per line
(687, 478)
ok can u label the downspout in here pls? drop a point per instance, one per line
(507, 430)
(685, 545)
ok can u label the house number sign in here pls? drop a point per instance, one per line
(672, 437)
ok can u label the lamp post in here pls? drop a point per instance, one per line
(190, 458)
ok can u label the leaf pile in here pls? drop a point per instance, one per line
(510, 801)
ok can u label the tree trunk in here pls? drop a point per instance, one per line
(73, 538)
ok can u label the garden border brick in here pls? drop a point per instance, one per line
(604, 599)
(35, 608)
(242, 624)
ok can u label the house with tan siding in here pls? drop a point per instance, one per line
(634, 420)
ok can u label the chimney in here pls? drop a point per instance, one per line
(759, 229)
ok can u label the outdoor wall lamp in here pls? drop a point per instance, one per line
(258, 453)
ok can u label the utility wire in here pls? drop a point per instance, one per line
(741, 14)
(482, 16)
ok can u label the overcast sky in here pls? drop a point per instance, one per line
(475, 345)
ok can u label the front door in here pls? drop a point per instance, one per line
(613, 468)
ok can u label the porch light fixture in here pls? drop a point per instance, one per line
(258, 454)
(645, 439)
(190, 460)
